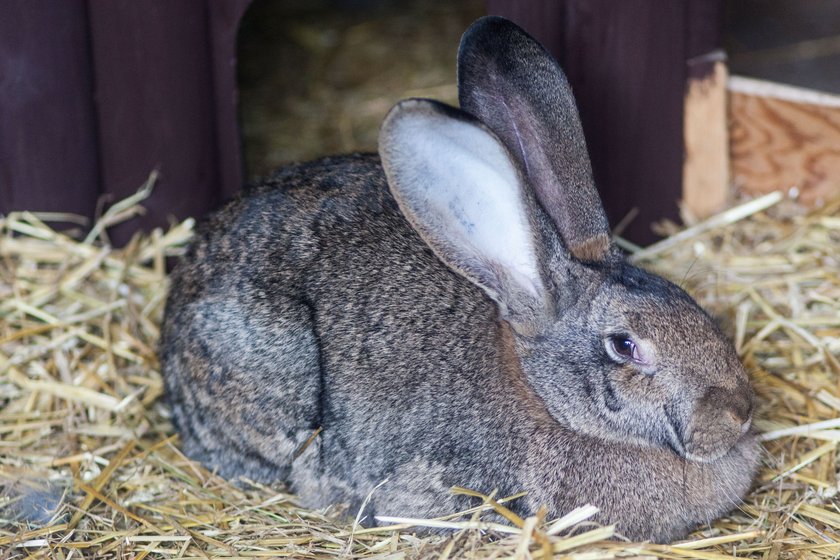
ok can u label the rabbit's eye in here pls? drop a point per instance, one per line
(625, 348)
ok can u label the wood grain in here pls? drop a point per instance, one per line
(782, 138)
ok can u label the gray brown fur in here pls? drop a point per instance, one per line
(313, 302)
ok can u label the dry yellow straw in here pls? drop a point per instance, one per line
(81, 417)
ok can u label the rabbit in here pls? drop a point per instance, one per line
(453, 311)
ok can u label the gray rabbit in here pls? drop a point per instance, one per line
(452, 311)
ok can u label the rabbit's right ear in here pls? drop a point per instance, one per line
(509, 81)
(458, 187)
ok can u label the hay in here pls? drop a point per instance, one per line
(83, 427)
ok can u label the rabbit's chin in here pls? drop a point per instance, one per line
(747, 439)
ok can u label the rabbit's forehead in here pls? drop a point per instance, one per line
(653, 308)
(663, 319)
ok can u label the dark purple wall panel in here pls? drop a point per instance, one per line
(543, 19)
(155, 105)
(626, 62)
(705, 27)
(48, 148)
(224, 28)
(95, 94)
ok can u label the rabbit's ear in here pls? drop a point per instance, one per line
(509, 81)
(461, 191)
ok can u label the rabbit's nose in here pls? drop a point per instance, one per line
(736, 401)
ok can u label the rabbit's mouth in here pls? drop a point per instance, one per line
(712, 443)
(714, 425)
(673, 434)
(707, 445)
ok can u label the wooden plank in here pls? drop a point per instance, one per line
(705, 180)
(705, 176)
(783, 137)
(48, 147)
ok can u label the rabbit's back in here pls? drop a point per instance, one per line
(239, 347)
(301, 306)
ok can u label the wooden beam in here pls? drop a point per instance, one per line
(705, 180)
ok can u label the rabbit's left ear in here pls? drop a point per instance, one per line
(460, 190)
(509, 81)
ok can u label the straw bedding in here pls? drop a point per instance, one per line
(83, 426)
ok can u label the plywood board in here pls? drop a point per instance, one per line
(782, 137)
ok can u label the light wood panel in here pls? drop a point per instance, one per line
(706, 164)
(783, 137)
